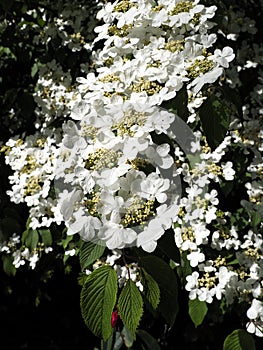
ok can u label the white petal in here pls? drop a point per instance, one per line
(252, 313)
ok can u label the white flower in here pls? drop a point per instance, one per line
(212, 197)
(210, 214)
(195, 257)
(70, 252)
(109, 203)
(116, 236)
(228, 171)
(18, 259)
(224, 57)
(192, 281)
(67, 202)
(33, 260)
(201, 232)
(112, 258)
(255, 310)
(255, 314)
(255, 327)
(87, 228)
(162, 120)
(148, 238)
(151, 187)
(207, 78)
(194, 191)
(160, 156)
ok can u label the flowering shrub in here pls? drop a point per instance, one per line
(145, 161)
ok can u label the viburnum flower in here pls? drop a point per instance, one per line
(116, 236)
(195, 257)
(122, 200)
(255, 314)
(224, 57)
(115, 171)
(228, 171)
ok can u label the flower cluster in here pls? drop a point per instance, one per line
(124, 271)
(33, 163)
(21, 255)
(113, 171)
(124, 167)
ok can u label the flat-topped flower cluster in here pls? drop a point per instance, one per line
(117, 192)
(108, 176)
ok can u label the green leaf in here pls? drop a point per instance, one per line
(179, 104)
(8, 266)
(65, 242)
(151, 289)
(6, 51)
(197, 311)
(149, 341)
(34, 69)
(233, 96)
(239, 339)
(185, 267)
(90, 252)
(255, 218)
(41, 22)
(24, 236)
(130, 306)
(227, 188)
(28, 223)
(46, 237)
(97, 300)
(166, 279)
(107, 345)
(215, 116)
(31, 239)
(167, 245)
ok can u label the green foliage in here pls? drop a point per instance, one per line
(65, 242)
(106, 345)
(22, 58)
(149, 341)
(161, 272)
(30, 238)
(179, 104)
(240, 219)
(97, 300)
(90, 252)
(255, 219)
(234, 100)
(197, 310)
(168, 247)
(151, 289)
(46, 237)
(239, 340)
(185, 268)
(130, 306)
(215, 116)
(8, 266)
